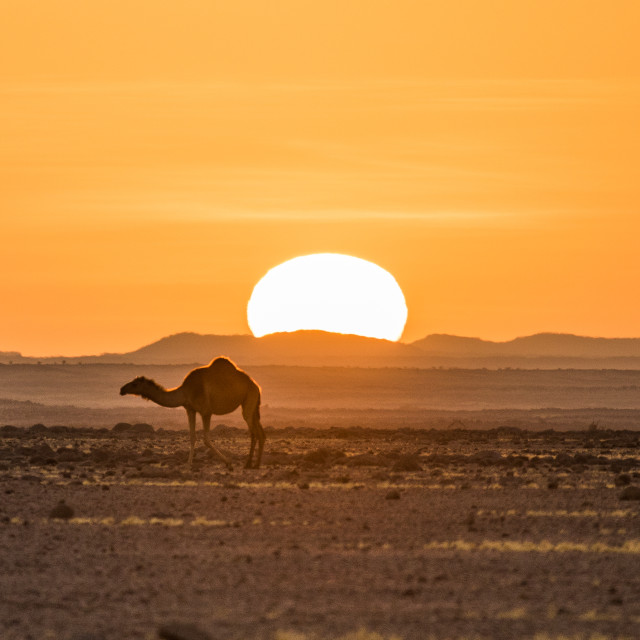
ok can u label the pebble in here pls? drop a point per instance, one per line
(392, 495)
(622, 480)
(61, 511)
(142, 428)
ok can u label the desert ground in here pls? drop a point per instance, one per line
(345, 532)
(392, 504)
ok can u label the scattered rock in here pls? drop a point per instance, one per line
(142, 429)
(121, 426)
(60, 428)
(303, 485)
(225, 431)
(552, 483)
(622, 480)
(182, 631)
(630, 493)
(61, 511)
(470, 520)
(9, 430)
(563, 460)
(43, 450)
(392, 495)
(102, 454)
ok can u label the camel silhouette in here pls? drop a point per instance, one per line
(218, 388)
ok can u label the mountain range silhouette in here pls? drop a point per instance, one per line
(319, 348)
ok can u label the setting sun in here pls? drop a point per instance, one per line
(329, 292)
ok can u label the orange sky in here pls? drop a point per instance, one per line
(158, 158)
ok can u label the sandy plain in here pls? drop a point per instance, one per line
(344, 532)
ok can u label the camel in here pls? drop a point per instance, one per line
(218, 388)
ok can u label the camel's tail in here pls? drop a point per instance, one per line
(254, 395)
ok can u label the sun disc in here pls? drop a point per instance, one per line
(328, 292)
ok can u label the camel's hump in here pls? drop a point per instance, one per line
(222, 362)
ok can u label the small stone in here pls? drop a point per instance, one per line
(630, 493)
(470, 520)
(622, 480)
(61, 511)
(392, 495)
(552, 484)
(303, 485)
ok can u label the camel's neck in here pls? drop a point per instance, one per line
(165, 397)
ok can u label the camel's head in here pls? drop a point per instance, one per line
(136, 387)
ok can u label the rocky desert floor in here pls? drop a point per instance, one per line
(354, 533)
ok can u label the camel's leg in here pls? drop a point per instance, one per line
(192, 433)
(251, 450)
(247, 410)
(206, 423)
(251, 415)
(261, 437)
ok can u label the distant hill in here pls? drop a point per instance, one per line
(557, 345)
(310, 348)
(319, 348)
